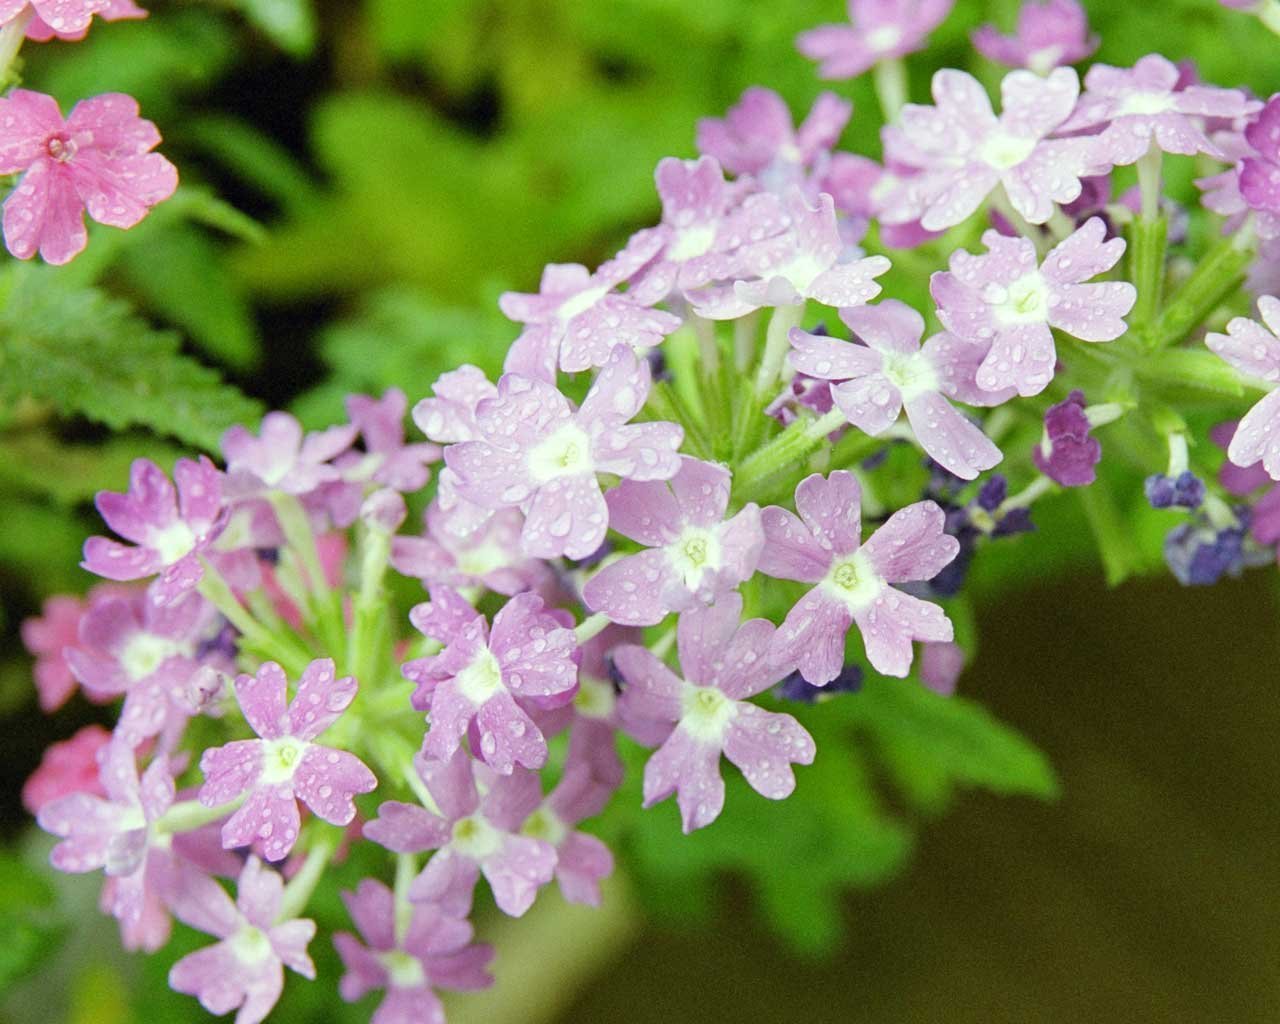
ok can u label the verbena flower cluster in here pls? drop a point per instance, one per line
(649, 529)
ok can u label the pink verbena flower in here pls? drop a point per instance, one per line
(724, 661)
(281, 458)
(1003, 299)
(881, 29)
(387, 460)
(538, 453)
(46, 636)
(1245, 482)
(1050, 33)
(170, 529)
(808, 261)
(582, 860)
(98, 159)
(965, 152)
(1067, 454)
(482, 679)
(1259, 180)
(1254, 350)
(284, 765)
(473, 835)
(696, 555)
(1142, 107)
(891, 371)
(148, 652)
(578, 317)
(757, 138)
(245, 968)
(432, 950)
(72, 16)
(463, 555)
(70, 766)
(823, 546)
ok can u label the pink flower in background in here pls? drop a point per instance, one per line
(70, 18)
(284, 765)
(1004, 300)
(890, 372)
(696, 555)
(823, 546)
(432, 950)
(582, 860)
(1254, 350)
(70, 766)
(1143, 106)
(245, 968)
(387, 459)
(98, 159)
(538, 453)
(757, 137)
(472, 835)
(46, 636)
(481, 680)
(724, 661)
(1050, 33)
(170, 528)
(1067, 454)
(964, 152)
(281, 458)
(880, 29)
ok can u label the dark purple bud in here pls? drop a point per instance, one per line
(1199, 556)
(992, 493)
(1067, 454)
(795, 688)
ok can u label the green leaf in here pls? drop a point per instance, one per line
(36, 462)
(32, 929)
(290, 24)
(256, 158)
(89, 354)
(42, 542)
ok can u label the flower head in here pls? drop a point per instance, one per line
(1004, 300)
(582, 860)
(169, 528)
(46, 637)
(1186, 490)
(1067, 453)
(695, 554)
(387, 460)
(70, 766)
(281, 458)
(823, 546)
(880, 29)
(891, 371)
(1050, 33)
(723, 661)
(472, 835)
(1254, 350)
(466, 556)
(284, 764)
(538, 453)
(99, 158)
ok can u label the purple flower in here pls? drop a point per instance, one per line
(387, 460)
(696, 555)
(539, 453)
(481, 679)
(431, 950)
(468, 556)
(821, 546)
(1186, 490)
(170, 529)
(1142, 106)
(472, 835)
(280, 458)
(1067, 453)
(808, 261)
(245, 968)
(1259, 170)
(880, 29)
(577, 318)
(1200, 554)
(1050, 33)
(965, 152)
(724, 661)
(284, 765)
(891, 371)
(756, 137)
(1254, 350)
(582, 860)
(795, 687)
(146, 651)
(1004, 300)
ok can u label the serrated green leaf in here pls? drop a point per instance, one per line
(36, 462)
(256, 158)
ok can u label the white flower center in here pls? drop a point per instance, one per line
(884, 38)
(581, 302)
(280, 759)
(481, 559)
(706, 713)
(912, 374)
(61, 148)
(854, 582)
(1002, 150)
(250, 945)
(173, 541)
(1144, 104)
(543, 824)
(403, 970)
(567, 452)
(1025, 301)
(481, 679)
(144, 653)
(1044, 60)
(696, 552)
(595, 698)
(690, 242)
(475, 838)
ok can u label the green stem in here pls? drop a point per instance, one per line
(591, 627)
(1218, 274)
(1147, 240)
(1150, 165)
(750, 422)
(792, 445)
(11, 37)
(298, 892)
(890, 78)
(1269, 15)
(370, 610)
(406, 870)
(277, 647)
(192, 814)
(666, 404)
(324, 604)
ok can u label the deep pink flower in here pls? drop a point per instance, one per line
(245, 968)
(1004, 300)
(471, 834)
(582, 860)
(170, 529)
(1067, 453)
(284, 765)
(696, 555)
(1142, 106)
(431, 950)
(46, 636)
(98, 159)
(481, 679)
(891, 371)
(387, 460)
(1254, 350)
(70, 766)
(724, 661)
(964, 152)
(807, 261)
(1050, 33)
(280, 458)
(880, 29)
(823, 546)
(71, 17)
(538, 453)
